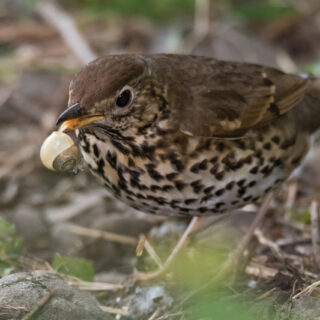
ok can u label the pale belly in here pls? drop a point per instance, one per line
(212, 177)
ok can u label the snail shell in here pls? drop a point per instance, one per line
(59, 153)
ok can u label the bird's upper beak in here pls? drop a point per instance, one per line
(74, 117)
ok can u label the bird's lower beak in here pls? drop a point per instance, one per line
(74, 118)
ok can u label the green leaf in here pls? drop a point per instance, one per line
(263, 12)
(76, 267)
(7, 229)
(10, 247)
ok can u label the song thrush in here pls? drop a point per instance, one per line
(183, 135)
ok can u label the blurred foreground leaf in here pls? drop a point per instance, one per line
(153, 9)
(10, 247)
(263, 12)
(76, 267)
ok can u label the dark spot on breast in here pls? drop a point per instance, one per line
(220, 192)
(115, 189)
(278, 163)
(254, 170)
(295, 160)
(135, 150)
(118, 145)
(206, 198)
(234, 202)
(267, 146)
(131, 163)
(208, 189)
(86, 147)
(197, 186)
(100, 168)
(140, 196)
(180, 185)
(202, 209)
(220, 146)
(203, 165)
(147, 150)
(213, 160)
(171, 176)
(248, 159)
(241, 182)
(230, 185)
(266, 170)
(219, 204)
(155, 188)
(190, 201)
(167, 188)
(195, 168)
(247, 198)
(219, 176)
(267, 190)
(241, 192)
(111, 157)
(252, 183)
(275, 139)
(96, 150)
(154, 174)
(214, 169)
(176, 164)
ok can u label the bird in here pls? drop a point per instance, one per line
(184, 135)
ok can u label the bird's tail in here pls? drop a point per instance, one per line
(308, 114)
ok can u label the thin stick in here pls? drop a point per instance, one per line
(261, 213)
(315, 236)
(148, 276)
(43, 301)
(112, 310)
(63, 22)
(111, 236)
(153, 254)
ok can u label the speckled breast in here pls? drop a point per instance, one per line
(209, 176)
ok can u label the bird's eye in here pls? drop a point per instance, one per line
(124, 99)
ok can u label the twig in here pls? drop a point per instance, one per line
(268, 243)
(265, 295)
(260, 271)
(112, 310)
(308, 289)
(292, 194)
(144, 243)
(111, 236)
(202, 26)
(92, 286)
(17, 159)
(152, 275)
(284, 242)
(63, 22)
(155, 314)
(315, 236)
(260, 215)
(39, 305)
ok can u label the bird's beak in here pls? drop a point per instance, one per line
(74, 118)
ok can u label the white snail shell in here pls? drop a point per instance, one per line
(59, 153)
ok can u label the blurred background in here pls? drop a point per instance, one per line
(44, 43)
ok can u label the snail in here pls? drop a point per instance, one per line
(59, 153)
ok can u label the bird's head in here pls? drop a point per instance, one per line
(120, 93)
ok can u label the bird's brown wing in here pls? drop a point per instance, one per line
(226, 99)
